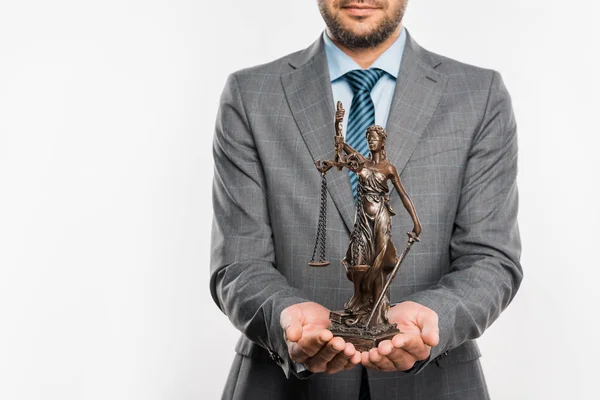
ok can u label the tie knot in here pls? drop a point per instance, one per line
(363, 79)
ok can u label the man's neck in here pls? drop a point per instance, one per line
(366, 57)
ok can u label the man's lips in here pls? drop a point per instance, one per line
(359, 9)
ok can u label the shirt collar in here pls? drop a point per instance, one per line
(339, 62)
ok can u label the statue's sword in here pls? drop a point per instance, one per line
(409, 244)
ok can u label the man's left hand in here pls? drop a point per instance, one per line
(420, 332)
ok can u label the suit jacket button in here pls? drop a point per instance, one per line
(275, 357)
(441, 356)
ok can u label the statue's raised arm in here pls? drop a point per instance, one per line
(340, 160)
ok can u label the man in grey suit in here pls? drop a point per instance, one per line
(451, 136)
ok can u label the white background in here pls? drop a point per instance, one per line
(107, 112)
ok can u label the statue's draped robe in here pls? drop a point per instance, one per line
(370, 241)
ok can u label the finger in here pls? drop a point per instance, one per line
(382, 362)
(314, 342)
(341, 360)
(366, 362)
(308, 345)
(370, 365)
(413, 344)
(354, 361)
(291, 325)
(401, 359)
(320, 361)
(385, 347)
(430, 332)
(334, 347)
(364, 359)
(297, 353)
(338, 364)
(374, 356)
(356, 357)
(349, 350)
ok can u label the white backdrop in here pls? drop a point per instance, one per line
(107, 113)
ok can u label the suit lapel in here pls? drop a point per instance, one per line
(308, 92)
(418, 91)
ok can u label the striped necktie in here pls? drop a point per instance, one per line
(362, 112)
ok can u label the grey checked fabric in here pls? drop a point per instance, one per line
(452, 137)
(251, 378)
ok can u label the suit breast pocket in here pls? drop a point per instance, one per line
(447, 148)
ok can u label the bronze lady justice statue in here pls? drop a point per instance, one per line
(371, 260)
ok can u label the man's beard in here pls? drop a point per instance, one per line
(351, 40)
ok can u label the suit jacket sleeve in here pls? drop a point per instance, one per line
(244, 282)
(485, 247)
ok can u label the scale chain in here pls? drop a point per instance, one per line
(321, 238)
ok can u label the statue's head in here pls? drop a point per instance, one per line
(376, 137)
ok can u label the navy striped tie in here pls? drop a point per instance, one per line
(362, 112)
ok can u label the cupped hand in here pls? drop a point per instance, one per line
(420, 332)
(311, 343)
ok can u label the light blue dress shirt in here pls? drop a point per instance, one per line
(339, 63)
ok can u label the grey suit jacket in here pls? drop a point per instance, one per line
(452, 137)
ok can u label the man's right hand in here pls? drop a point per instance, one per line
(311, 343)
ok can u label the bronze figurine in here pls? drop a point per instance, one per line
(371, 261)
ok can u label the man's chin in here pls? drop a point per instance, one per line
(360, 32)
(364, 27)
(361, 25)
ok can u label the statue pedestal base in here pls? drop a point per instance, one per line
(348, 326)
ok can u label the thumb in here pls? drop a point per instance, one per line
(291, 325)
(430, 332)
